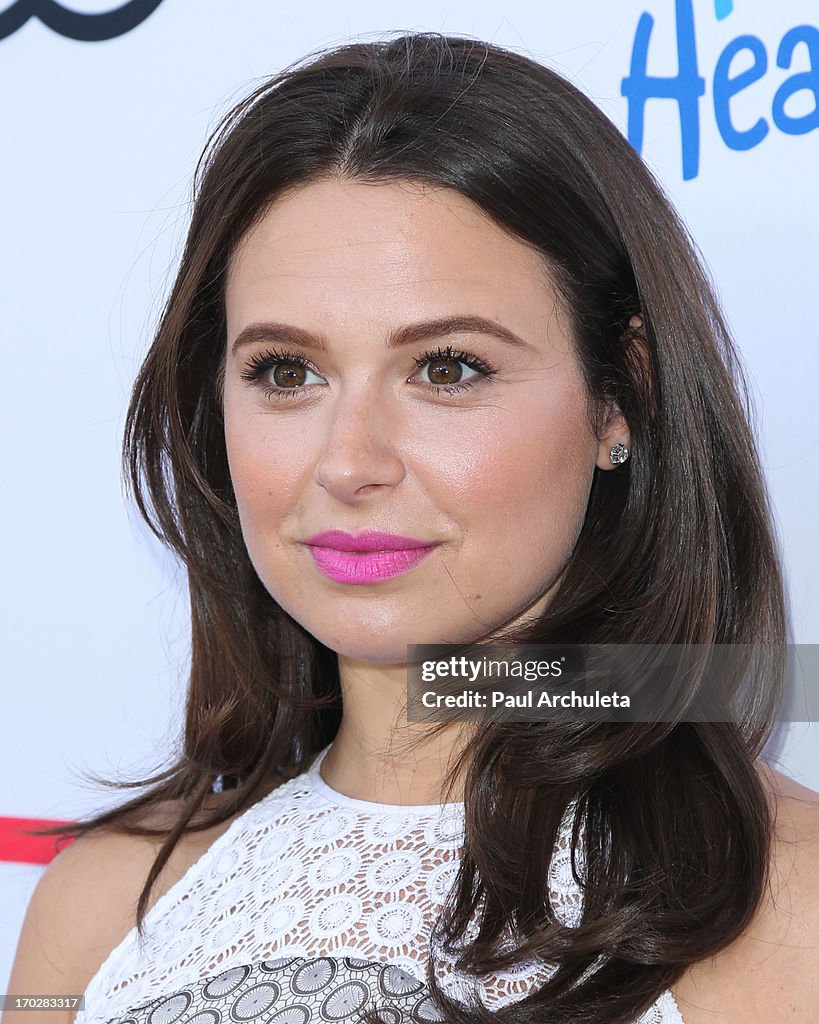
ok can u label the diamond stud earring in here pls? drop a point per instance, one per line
(618, 454)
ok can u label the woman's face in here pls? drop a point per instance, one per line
(398, 363)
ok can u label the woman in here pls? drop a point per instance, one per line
(440, 365)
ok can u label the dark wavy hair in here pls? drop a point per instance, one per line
(677, 544)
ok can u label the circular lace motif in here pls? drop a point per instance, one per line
(225, 862)
(394, 924)
(258, 999)
(179, 915)
(294, 990)
(328, 827)
(333, 868)
(314, 976)
(345, 1001)
(276, 842)
(395, 982)
(281, 918)
(445, 832)
(338, 912)
(178, 947)
(440, 881)
(393, 870)
(281, 873)
(292, 1015)
(385, 828)
(223, 984)
(171, 1009)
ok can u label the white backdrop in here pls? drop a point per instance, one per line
(100, 137)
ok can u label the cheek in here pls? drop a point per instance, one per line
(266, 470)
(265, 467)
(523, 474)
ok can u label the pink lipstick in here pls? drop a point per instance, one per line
(368, 557)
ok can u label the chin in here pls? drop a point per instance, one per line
(384, 643)
(366, 649)
(381, 641)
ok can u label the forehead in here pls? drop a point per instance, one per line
(384, 244)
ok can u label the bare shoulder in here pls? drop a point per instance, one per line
(84, 904)
(771, 972)
(783, 787)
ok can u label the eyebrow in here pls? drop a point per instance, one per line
(410, 334)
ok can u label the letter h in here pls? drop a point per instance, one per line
(685, 87)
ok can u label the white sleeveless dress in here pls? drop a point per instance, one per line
(311, 907)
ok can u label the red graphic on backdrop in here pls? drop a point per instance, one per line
(16, 846)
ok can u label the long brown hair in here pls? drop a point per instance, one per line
(677, 545)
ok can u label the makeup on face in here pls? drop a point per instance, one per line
(405, 417)
(367, 557)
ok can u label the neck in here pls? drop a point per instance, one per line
(377, 754)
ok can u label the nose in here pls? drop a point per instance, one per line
(359, 453)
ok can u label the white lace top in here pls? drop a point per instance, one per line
(311, 906)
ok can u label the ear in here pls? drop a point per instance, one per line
(615, 428)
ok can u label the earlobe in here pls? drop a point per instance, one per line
(615, 441)
(618, 453)
(615, 437)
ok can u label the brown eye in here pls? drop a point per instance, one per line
(289, 375)
(445, 371)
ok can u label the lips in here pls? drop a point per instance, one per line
(369, 540)
(368, 557)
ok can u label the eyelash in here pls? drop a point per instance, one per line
(258, 365)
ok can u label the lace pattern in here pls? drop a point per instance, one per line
(311, 874)
(296, 990)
